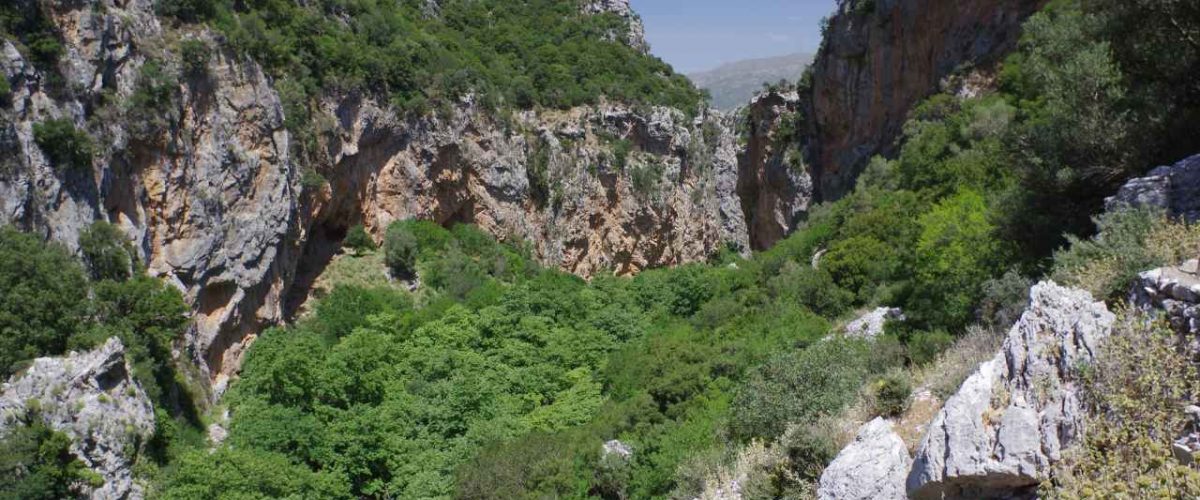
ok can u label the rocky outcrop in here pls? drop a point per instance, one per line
(1173, 188)
(773, 182)
(871, 324)
(636, 35)
(880, 57)
(92, 398)
(209, 196)
(873, 467)
(1012, 419)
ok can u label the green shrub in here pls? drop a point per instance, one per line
(311, 179)
(924, 347)
(152, 108)
(5, 91)
(1128, 242)
(66, 147)
(956, 252)
(400, 249)
(36, 463)
(644, 179)
(194, 56)
(1134, 396)
(349, 307)
(1004, 300)
(800, 386)
(187, 10)
(148, 315)
(106, 252)
(891, 394)
(358, 240)
(36, 30)
(248, 473)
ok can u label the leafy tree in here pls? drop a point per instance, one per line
(957, 251)
(799, 386)
(106, 252)
(251, 474)
(149, 316)
(43, 298)
(400, 249)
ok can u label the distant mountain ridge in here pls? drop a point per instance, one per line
(733, 84)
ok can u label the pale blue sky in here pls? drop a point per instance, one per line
(696, 35)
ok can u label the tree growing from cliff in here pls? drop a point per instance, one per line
(106, 252)
(66, 147)
(43, 298)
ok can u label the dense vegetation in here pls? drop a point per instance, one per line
(48, 305)
(509, 53)
(497, 378)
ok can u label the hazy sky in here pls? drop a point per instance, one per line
(696, 35)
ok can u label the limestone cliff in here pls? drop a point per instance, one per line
(206, 179)
(880, 57)
(93, 399)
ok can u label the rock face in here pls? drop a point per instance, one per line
(873, 467)
(92, 398)
(880, 57)
(870, 325)
(1010, 420)
(210, 199)
(210, 192)
(1174, 188)
(773, 184)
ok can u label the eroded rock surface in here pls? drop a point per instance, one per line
(92, 398)
(873, 467)
(1011, 420)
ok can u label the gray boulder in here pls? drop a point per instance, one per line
(870, 325)
(873, 467)
(92, 398)
(1187, 447)
(1011, 420)
(1174, 188)
(1175, 291)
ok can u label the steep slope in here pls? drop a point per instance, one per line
(879, 58)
